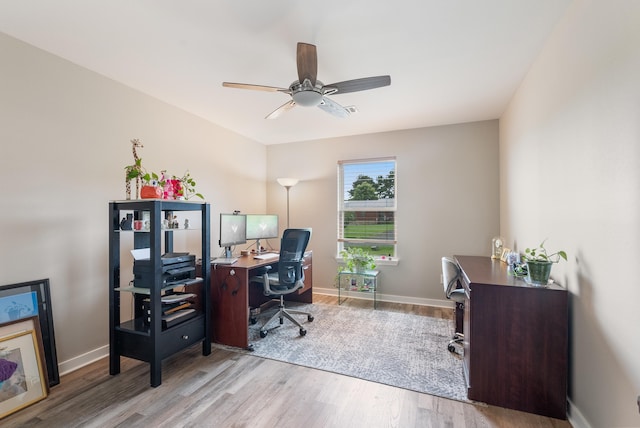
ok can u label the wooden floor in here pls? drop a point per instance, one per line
(227, 389)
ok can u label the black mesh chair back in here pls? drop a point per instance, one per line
(292, 247)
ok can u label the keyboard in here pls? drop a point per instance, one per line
(224, 260)
(266, 256)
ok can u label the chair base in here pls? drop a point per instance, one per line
(283, 313)
(457, 339)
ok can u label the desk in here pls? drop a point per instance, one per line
(231, 297)
(515, 339)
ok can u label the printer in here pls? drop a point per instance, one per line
(177, 269)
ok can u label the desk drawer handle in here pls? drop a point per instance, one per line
(305, 267)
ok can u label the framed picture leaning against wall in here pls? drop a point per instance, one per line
(23, 378)
(27, 299)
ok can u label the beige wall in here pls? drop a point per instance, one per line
(65, 135)
(570, 172)
(447, 199)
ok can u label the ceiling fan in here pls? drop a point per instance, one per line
(307, 91)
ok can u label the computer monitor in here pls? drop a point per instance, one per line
(262, 226)
(233, 231)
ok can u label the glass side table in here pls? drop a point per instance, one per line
(357, 283)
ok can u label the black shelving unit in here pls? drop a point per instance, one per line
(134, 338)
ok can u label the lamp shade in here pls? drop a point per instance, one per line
(287, 182)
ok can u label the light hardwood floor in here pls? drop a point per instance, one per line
(227, 389)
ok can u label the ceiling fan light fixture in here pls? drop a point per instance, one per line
(307, 98)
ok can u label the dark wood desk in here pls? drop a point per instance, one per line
(232, 295)
(515, 339)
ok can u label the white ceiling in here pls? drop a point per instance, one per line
(450, 61)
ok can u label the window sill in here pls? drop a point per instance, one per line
(379, 262)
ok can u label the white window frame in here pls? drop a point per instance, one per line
(379, 205)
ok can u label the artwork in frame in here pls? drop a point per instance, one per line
(23, 379)
(18, 306)
(505, 253)
(45, 315)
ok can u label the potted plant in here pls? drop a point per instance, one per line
(357, 259)
(539, 263)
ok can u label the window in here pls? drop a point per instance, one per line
(367, 206)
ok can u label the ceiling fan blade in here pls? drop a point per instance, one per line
(254, 87)
(358, 84)
(283, 108)
(307, 60)
(333, 108)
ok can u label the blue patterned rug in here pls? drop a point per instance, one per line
(397, 349)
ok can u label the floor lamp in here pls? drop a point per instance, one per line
(287, 183)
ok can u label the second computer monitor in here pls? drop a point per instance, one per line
(262, 226)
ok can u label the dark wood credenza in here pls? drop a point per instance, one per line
(516, 339)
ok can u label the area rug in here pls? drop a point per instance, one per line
(397, 349)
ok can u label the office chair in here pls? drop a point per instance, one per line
(288, 279)
(450, 276)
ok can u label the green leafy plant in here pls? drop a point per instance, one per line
(188, 189)
(539, 254)
(357, 259)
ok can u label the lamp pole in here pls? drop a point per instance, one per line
(287, 183)
(287, 187)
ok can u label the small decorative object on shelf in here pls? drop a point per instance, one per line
(133, 171)
(151, 192)
(497, 244)
(127, 223)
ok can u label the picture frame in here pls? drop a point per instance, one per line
(43, 300)
(505, 253)
(23, 378)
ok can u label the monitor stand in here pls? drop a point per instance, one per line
(258, 247)
(227, 252)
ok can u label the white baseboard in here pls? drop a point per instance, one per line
(388, 298)
(83, 360)
(576, 418)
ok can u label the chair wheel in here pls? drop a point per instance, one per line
(263, 333)
(303, 332)
(253, 320)
(309, 318)
(451, 348)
